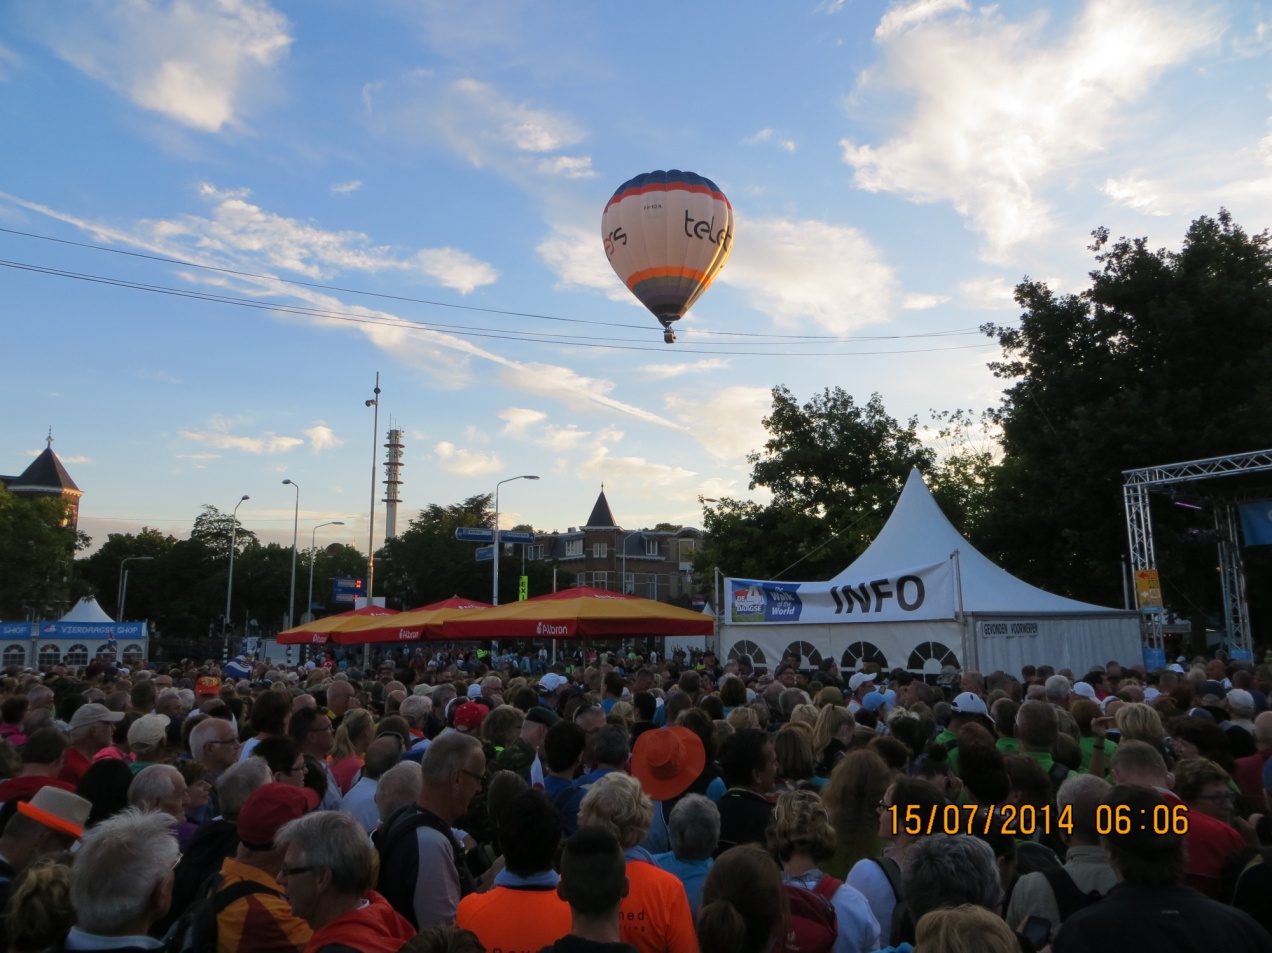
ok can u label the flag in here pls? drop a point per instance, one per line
(1256, 523)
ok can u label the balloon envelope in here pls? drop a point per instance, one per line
(667, 235)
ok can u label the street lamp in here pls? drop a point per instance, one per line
(122, 592)
(524, 476)
(313, 557)
(229, 588)
(375, 429)
(291, 593)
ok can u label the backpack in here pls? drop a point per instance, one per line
(1248, 883)
(1069, 897)
(195, 931)
(814, 928)
(398, 885)
(902, 923)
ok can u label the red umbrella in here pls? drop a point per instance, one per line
(318, 632)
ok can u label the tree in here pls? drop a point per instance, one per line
(215, 529)
(1163, 358)
(834, 469)
(37, 554)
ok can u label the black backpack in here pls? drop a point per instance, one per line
(901, 929)
(195, 931)
(1069, 896)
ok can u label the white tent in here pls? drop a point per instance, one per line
(86, 610)
(921, 597)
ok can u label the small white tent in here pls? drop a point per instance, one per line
(86, 610)
(921, 597)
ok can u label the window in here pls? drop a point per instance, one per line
(132, 654)
(600, 550)
(574, 547)
(651, 547)
(600, 580)
(629, 583)
(50, 655)
(104, 653)
(534, 551)
(15, 655)
(77, 655)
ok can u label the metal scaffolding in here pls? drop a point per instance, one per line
(1136, 486)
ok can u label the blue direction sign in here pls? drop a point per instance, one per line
(475, 534)
(485, 553)
(516, 536)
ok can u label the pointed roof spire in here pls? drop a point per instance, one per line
(49, 444)
(45, 473)
(601, 517)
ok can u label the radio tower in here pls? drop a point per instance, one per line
(392, 480)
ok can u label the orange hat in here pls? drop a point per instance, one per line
(208, 685)
(667, 760)
(61, 810)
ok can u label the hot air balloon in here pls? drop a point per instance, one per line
(667, 235)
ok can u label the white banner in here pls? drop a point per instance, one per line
(920, 594)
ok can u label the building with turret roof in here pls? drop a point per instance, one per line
(650, 563)
(46, 476)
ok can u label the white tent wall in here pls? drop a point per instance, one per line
(920, 647)
(1009, 642)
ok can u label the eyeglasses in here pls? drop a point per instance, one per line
(297, 769)
(229, 741)
(293, 871)
(479, 778)
(1225, 796)
(328, 728)
(881, 807)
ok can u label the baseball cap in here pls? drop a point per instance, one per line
(1085, 689)
(542, 716)
(1239, 698)
(474, 690)
(1177, 668)
(92, 713)
(147, 733)
(861, 678)
(552, 681)
(968, 703)
(876, 700)
(208, 685)
(268, 808)
(1213, 690)
(469, 716)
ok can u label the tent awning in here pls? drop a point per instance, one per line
(578, 613)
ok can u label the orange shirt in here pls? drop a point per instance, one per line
(515, 919)
(260, 922)
(655, 915)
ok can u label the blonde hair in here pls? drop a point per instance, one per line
(964, 929)
(39, 913)
(794, 748)
(1139, 722)
(625, 711)
(801, 825)
(742, 718)
(829, 695)
(500, 727)
(829, 720)
(617, 803)
(803, 714)
(356, 723)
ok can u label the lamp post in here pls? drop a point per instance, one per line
(375, 429)
(122, 594)
(313, 557)
(291, 593)
(525, 476)
(229, 588)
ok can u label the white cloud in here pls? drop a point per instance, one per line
(200, 64)
(198, 456)
(1001, 110)
(923, 302)
(571, 252)
(518, 420)
(643, 472)
(560, 439)
(162, 377)
(321, 437)
(994, 293)
(10, 63)
(660, 372)
(725, 422)
(573, 389)
(572, 167)
(244, 230)
(346, 188)
(768, 135)
(801, 271)
(267, 443)
(902, 16)
(462, 462)
(1134, 193)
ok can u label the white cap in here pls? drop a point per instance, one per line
(861, 678)
(969, 703)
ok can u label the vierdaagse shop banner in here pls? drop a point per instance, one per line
(921, 594)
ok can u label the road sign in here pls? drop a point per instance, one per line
(516, 536)
(523, 589)
(345, 591)
(485, 553)
(474, 534)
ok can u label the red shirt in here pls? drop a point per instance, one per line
(1209, 842)
(25, 788)
(74, 765)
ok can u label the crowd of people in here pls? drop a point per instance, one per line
(447, 803)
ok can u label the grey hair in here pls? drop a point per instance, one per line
(169, 693)
(447, 755)
(612, 746)
(946, 870)
(1057, 688)
(205, 731)
(415, 708)
(331, 839)
(187, 699)
(238, 782)
(694, 827)
(120, 863)
(398, 787)
(152, 783)
(1075, 786)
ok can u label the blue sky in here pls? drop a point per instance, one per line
(894, 168)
